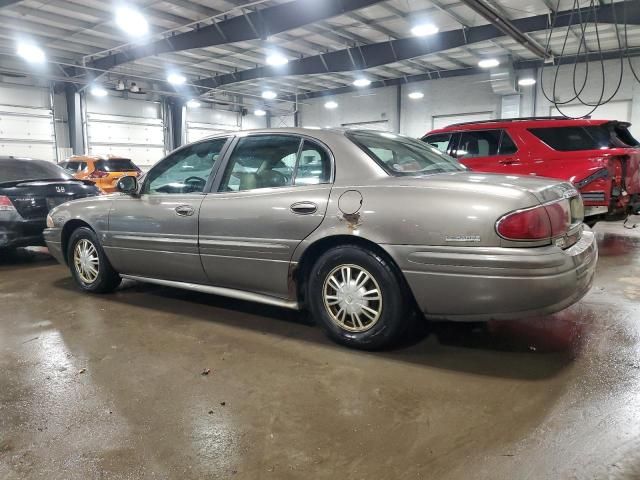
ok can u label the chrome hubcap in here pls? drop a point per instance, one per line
(352, 298)
(86, 261)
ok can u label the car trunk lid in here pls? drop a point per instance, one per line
(34, 199)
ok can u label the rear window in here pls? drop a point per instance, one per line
(402, 156)
(13, 170)
(590, 137)
(115, 165)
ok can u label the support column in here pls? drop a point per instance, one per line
(175, 119)
(399, 107)
(74, 119)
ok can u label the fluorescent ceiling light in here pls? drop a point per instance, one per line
(31, 53)
(269, 95)
(488, 63)
(98, 91)
(416, 95)
(193, 103)
(132, 22)
(276, 59)
(526, 82)
(176, 79)
(331, 105)
(259, 113)
(424, 29)
(362, 82)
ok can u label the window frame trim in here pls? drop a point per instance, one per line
(215, 186)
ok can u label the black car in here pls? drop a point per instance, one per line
(28, 190)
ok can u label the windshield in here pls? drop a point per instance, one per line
(12, 170)
(402, 156)
(116, 165)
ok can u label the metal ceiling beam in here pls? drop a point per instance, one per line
(252, 26)
(608, 55)
(8, 3)
(378, 54)
(490, 13)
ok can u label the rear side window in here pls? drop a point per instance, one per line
(571, 139)
(314, 165)
(483, 143)
(115, 165)
(261, 161)
(14, 170)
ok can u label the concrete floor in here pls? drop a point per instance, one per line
(112, 387)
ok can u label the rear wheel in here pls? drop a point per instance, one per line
(89, 265)
(358, 298)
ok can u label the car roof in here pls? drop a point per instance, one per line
(22, 159)
(321, 134)
(94, 158)
(534, 122)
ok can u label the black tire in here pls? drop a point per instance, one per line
(395, 309)
(107, 279)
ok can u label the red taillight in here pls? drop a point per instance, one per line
(98, 174)
(531, 224)
(538, 223)
(6, 204)
(560, 217)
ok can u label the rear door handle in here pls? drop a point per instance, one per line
(508, 161)
(304, 208)
(185, 210)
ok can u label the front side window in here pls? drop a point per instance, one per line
(441, 141)
(402, 156)
(187, 170)
(481, 143)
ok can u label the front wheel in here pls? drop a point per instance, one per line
(358, 298)
(89, 265)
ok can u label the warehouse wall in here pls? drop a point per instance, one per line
(449, 96)
(626, 100)
(379, 105)
(376, 107)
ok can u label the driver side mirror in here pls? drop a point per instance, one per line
(128, 185)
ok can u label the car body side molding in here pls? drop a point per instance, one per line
(225, 292)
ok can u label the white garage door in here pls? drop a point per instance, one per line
(140, 139)
(441, 121)
(197, 131)
(27, 132)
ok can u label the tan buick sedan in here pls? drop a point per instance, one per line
(362, 228)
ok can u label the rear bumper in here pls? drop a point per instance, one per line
(53, 239)
(15, 231)
(477, 284)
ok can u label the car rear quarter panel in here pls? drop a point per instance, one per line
(450, 214)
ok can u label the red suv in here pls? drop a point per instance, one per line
(600, 157)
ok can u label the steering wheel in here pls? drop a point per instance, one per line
(195, 183)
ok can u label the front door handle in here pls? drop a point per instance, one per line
(185, 210)
(508, 161)
(304, 208)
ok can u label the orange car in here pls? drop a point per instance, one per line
(104, 171)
